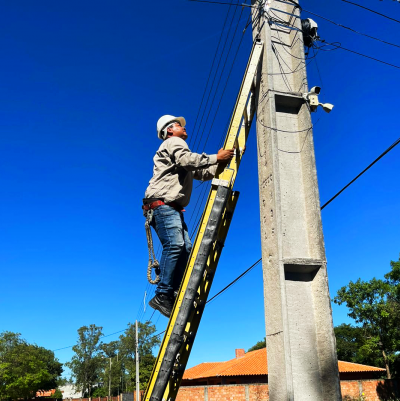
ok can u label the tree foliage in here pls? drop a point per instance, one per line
(146, 342)
(57, 395)
(100, 369)
(353, 345)
(25, 368)
(374, 305)
(259, 345)
(86, 364)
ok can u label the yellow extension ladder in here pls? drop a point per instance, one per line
(189, 305)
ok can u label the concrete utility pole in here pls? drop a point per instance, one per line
(301, 346)
(109, 381)
(137, 364)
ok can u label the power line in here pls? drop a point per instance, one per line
(234, 281)
(223, 290)
(212, 66)
(372, 11)
(221, 2)
(344, 188)
(108, 335)
(216, 295)
(226, 84)
(362, 172)
(338, 45)
(364, 55)
(322, 207)
(149, 289)
(297, 5)
(215, 76)
(352, 30)
(222, 71)
(394, 144)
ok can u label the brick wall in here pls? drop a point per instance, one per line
(121, 397)
(231, 392)
(372, 389)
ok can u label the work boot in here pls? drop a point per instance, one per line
(163, 303)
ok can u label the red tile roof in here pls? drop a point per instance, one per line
(356, 367)
(255, 363)
(43, 393)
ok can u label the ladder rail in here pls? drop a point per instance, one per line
(203, 292)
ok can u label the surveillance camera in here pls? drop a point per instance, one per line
(313, 100)
(326, 107)
(316, 90)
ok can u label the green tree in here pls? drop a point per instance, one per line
(374, 305)
(57, 395)
(259, 345)
(99, 392)
(86, 365)
(352, 344)
(146, 342)
(393, 278)
(25, 368)
(112, 371)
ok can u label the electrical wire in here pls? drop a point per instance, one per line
(103, 336)
(195, 133)
(205, 187)
(141, 312)
(150, 288)
(371, 58)
(319, 73)
(234, 281)
(318, 48)
(339, 46)
(223, 290)
(373, 11)
(393, 145)
(224, 89)
(211, 69)
(353, 30)
(198, 219)
(215, 76)
(219, 81)
(220, 2)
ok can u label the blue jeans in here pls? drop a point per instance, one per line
(173, 234)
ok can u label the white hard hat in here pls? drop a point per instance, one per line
(166, 120)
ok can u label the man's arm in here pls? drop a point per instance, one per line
(206, 174)
(183, 157)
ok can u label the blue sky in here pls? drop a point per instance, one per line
(82, 86)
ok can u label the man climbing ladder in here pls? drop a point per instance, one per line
(169, 191)
(213, 228)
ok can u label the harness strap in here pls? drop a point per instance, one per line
(153, 262)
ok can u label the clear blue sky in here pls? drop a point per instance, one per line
(82, 86)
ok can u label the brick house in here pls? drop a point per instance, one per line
(252, 367)
(245, 378)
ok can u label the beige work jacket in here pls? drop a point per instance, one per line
(175, 167)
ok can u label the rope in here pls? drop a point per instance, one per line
(153, 262)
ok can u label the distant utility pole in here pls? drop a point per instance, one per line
(109, 381)
(137, 364)
(301, 346)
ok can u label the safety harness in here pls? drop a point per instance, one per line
(153, 262)
(148, 212)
